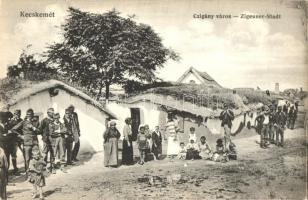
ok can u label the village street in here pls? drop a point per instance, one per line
(277, 173)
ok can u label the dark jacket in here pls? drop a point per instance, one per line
(44, 127)
(30, 130)
(157, 138)
(281, 119)
(226, 117)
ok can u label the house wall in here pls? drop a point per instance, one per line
(91, 119)
(190, 77)
(149, 113)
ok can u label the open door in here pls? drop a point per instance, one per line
(135, 116)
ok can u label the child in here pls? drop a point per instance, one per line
(232, 154)
(192, 151)
(220, 155)
(192, 135)
(143, 145)
(37, 168)
(205, 149)
(182, 152)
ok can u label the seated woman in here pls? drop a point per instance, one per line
(205, 149)
(192, 151)
(220, 155)
(182, 152)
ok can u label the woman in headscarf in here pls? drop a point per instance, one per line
(111, 137)
(3, 175)
(127, 151)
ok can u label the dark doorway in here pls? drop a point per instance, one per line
(135, 115)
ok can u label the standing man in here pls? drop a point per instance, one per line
(76, 132)
(47, 146)
(69, 139)
(281, 119)
(271, 124)
(14, 141)
(226, 117)
(30, 129)
(292, 117)
(57, 131)
(157, 142)
(260, 127)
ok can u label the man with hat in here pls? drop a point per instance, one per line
(13, 140)
(280, 120)
(292, 114)
(226, 117)
(57, 131)
(75, 131)
(47, 147)
(30, 129)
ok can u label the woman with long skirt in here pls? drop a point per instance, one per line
(173, 140)
(111, 137)
(127, 151)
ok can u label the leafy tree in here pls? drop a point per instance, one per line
(104, 49)
(30, 67)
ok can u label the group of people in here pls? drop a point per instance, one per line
(271, 122)
(60, 145)
(147, 143)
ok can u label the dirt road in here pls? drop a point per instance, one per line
(273, 173)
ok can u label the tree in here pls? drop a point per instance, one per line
(31, 68)
(104, 49)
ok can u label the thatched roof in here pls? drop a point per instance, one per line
(33, 88)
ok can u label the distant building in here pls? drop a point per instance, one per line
(193, 76)
(277, 88)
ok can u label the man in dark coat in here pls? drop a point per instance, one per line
(68, 123)
(157, 142)
(226, 117)
(47, 146)
(281, 119)
(14, 140)
(292, 114)
(30, 129)
(75, 131)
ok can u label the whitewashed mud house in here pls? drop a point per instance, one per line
(193, 76)
(43, 95)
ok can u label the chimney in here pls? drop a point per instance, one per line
(277, 88)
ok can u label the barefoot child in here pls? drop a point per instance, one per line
(182, 152)
(142, 144)
(36, 172)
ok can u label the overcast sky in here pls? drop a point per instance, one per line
(235, 52)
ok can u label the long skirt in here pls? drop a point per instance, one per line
(127, 153)
(173, 146)
(111, 152)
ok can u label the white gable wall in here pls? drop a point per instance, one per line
(149, 113)
(190, 76)
(91, 119)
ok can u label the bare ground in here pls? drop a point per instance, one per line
(273, 173)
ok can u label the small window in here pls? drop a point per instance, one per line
(192, 82)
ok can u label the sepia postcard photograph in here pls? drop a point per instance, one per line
(153, 99)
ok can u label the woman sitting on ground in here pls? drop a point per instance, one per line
(192, 151)
(205, 149)
(220, 154)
